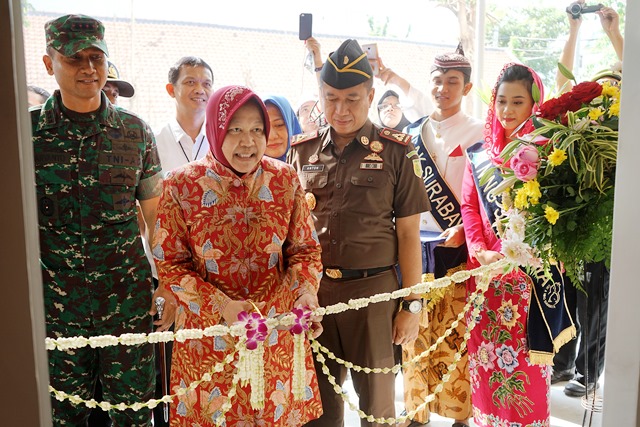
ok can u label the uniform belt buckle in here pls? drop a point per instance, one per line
(333, 273)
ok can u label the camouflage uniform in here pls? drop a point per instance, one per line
(90, 169)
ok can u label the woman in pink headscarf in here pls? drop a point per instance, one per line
(507, 388)
(234, 234)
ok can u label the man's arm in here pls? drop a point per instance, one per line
(405, 324)
(415, 103)
(149, 209)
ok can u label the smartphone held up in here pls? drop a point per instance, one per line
(371, 49)
(305, 29)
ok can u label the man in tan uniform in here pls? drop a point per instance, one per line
(364, 186)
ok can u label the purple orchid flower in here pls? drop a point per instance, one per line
(256, 327)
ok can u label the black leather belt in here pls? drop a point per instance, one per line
(343, 274)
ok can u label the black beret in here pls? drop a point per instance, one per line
(348, 66)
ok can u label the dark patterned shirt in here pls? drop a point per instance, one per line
(90, 169)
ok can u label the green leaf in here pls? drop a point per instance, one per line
(566, 72)
(535, 93)
(503, 336)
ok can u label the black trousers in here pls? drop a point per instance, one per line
(589, 311)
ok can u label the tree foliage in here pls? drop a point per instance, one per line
(535, 36)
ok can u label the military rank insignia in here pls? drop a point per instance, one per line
(375, 147)
(395, 136)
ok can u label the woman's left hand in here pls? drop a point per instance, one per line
(311, 302)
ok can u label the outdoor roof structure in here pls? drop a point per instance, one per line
(268, 61)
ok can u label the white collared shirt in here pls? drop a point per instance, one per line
(442, 139)
(176, 148)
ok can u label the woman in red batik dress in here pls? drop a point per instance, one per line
(507, 389)
(234, 234)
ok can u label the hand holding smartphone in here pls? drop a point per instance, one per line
(306, 21)
(371, 50)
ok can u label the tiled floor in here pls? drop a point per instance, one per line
(565, 411)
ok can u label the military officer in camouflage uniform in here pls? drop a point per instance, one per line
(364, 187)
(92, 162)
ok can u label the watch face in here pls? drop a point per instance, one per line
(415, 306)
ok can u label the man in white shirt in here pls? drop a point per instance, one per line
(441, 139)
(183, 139)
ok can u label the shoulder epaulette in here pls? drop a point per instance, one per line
(395, 136)
(303, 137)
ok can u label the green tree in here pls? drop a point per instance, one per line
(533, 34)
(536, 36)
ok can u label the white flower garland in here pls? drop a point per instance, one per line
(92, 403)
(478, 296)
(396, 368)
(237, 330)
(299, 367)
(250, 367)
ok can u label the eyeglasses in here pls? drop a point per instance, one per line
(385, 107)
(314, 113)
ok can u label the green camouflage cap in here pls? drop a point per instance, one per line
(70, 34)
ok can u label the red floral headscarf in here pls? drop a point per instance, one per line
(495, 139)
(222, 105)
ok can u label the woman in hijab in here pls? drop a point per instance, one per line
(283, 124)
(508, 385)
(390, 113)
(233, 235)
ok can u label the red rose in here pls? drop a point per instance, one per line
(551, 109)
(585, 92)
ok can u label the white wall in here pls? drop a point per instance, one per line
(622, 359)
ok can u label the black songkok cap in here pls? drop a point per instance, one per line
(348, 66)
(452, 61)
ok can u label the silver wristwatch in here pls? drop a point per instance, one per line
(413, 306)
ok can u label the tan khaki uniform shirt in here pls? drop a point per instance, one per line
(358, 193)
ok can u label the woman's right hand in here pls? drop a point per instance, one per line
(233, 308)
(486, 257)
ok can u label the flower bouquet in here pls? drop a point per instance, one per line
(557, 192)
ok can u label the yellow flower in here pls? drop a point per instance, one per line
(610, 90)
(509, 314)
(521, 201)
(532, 189)
(551, 215)
(595, 113)
(614, 109)
(557, 157)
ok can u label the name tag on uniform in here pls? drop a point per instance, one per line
(312, 168)
(119, 159)
(370, 166)
(52, 158)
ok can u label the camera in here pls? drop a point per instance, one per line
(576, 9)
